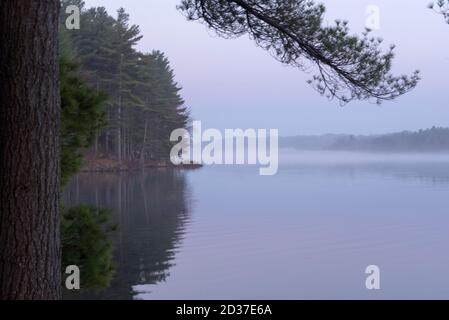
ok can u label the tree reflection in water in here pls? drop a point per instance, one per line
(151, 209)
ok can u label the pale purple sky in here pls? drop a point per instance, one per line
(234, 84)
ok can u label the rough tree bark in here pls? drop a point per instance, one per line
(29, 150)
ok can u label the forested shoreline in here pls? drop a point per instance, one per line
(142, 102)
(435, 139)
(118, 108)
(67, 95)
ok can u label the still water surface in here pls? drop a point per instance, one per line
(308, 232)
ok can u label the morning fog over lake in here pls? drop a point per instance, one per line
(308, 232)
(213, 158)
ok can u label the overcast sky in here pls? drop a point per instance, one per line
(234, 84)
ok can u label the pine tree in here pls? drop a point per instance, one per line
(125, 38)
(348, 67)
(30, 261)
(144, 104)
(441, 7)
(81, 117)
(85, 231)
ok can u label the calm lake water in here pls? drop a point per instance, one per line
(308, 232)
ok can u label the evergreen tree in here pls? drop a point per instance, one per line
(144, 103)
(86, 238)
(81, 116)
(349, 67)
(441, 7)
(164, 109)
(125, 38)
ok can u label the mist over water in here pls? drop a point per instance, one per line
(224, 232)
(295, 157)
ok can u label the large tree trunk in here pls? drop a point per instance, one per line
(119, 132)
(29, 150)
(119, 114)
(144, 144)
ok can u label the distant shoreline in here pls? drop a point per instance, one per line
(369, 151)
(433, 140)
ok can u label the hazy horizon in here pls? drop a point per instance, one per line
(144, 157)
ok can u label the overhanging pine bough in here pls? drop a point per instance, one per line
(349, 67)
(441, 7)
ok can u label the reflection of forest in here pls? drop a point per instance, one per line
(151, 209)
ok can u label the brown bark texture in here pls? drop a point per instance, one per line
(30, 256)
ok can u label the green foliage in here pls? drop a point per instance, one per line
(81, 116)
(85, 231)
(82, 110)
(162, 110)
(145, 104)
(349, 67)
(86, 238)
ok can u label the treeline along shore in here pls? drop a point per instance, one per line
(139, 101)
(433, 140)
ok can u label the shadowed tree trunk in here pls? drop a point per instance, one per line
(29, 150)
